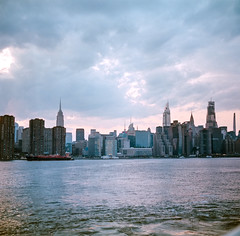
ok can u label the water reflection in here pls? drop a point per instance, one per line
(122, 197)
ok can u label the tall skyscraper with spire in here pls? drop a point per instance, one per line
(191, 120)
(211, 117)
(166, 116)
(234, 123)
(60, 117)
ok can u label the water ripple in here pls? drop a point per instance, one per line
(86, 198)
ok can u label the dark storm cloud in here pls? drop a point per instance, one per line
(119, 58)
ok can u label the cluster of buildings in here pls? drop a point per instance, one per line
(172, 139)
(186, 139)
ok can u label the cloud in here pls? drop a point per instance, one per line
(119, 59)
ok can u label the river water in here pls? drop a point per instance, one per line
(120, 197)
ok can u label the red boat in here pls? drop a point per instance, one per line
(49, 158)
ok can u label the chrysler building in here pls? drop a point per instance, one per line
(60, 117)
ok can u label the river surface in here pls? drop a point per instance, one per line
(120, 197)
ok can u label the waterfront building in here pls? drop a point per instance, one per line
(216, 140)
(68, 144)
(158, 143)
(79, 134)
(162, 146)
(228, 146)
(26, 140)
(58, 140)
(186, 139)
(132, 140)
(237, 146)
(189, 138)
(68, 137)
(36, 131)
(122, 142)
(110, 146)
(109, 143)
(94, 144)
(78, 148)
(211, 116)
(205, 142)
(142, 139)
(16, 126)
(20, 132)
(18, 138)
(60, 117)
(175, 137)
(48, 140)
(7, 128)
(137, 152)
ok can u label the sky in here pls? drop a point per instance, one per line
(112, 62)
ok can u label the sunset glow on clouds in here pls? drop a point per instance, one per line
(119, 59)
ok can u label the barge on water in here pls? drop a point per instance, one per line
(49, 158)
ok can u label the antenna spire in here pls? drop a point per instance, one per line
(60, 105)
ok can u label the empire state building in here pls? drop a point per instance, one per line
(166, 116)
(60, 117)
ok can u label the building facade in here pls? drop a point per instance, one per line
(36, 132)
(95, 144)
(110, 146)
(60, 117)
(137, 152)
(26, 141)
(68, 143)
(7, 129)
(142, 139)
(58, 140)
(166, 116)
(48, 140)
(79, 134)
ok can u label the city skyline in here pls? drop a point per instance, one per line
(114, 61)
(125, 127)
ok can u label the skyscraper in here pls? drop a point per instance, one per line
(48, 141)
(234, 123)
(16, 132)
(68, 137)
(60, 117)
(143, 139)
(68, 143)
(7, 128)
(110, 146)
(36, 130)
(58, 140)
(79, 134)
(211, 117)
(26, 140)
(95, 142)
(191, 120)
(166, 116)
